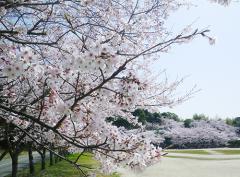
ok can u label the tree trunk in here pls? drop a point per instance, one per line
(43, 157)
(56, 159)
(51, 158)
(51, 154)
(14, 164)
(30, 156)
(60, 153)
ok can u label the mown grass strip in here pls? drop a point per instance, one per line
(228, 151)
(189, 151)
(199, 158)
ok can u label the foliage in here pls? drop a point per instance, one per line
(229, 121)
(145, 116)
(141, 114)
(187, 123)
(167, 143)
(170, 115)
(236, 122)
(121, 122)
(234, 143)
(200, 117)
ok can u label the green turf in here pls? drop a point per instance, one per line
(199, 158)
(189, 151)
(64, 169)
(228, 151)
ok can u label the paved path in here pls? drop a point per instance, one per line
(177, 167)
(6, 164)
(218, 166)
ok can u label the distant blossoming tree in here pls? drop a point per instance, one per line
(202, 134)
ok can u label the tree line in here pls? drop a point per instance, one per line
(173, 132)
(145, 117)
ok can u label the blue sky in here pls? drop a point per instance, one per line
(214, 69)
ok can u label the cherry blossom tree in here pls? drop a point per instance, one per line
(202, 134)
(67, 65)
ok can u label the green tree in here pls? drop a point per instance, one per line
(140, 113)
(153, 118)
(229, 121)
(120, 122)
(236, 122)
(170, 115)
(200, 117)
(187, 123)
(145, 116)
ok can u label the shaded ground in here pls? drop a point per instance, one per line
(64, 169)
(190, 163)
(6, 164)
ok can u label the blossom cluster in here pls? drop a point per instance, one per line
(66, 66)
(202, 134)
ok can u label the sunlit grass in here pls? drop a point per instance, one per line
(200, 158)
(189, 151)
(228, 151)
(65, 169)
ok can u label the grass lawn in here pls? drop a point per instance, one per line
(64, 169)
(198, 158)
(228, 151)
(189, 151)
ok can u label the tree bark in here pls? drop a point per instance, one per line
(43, 158)
(30, 156)
(60, 153)
(56, 159)
(51, 158)
(14, 157)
